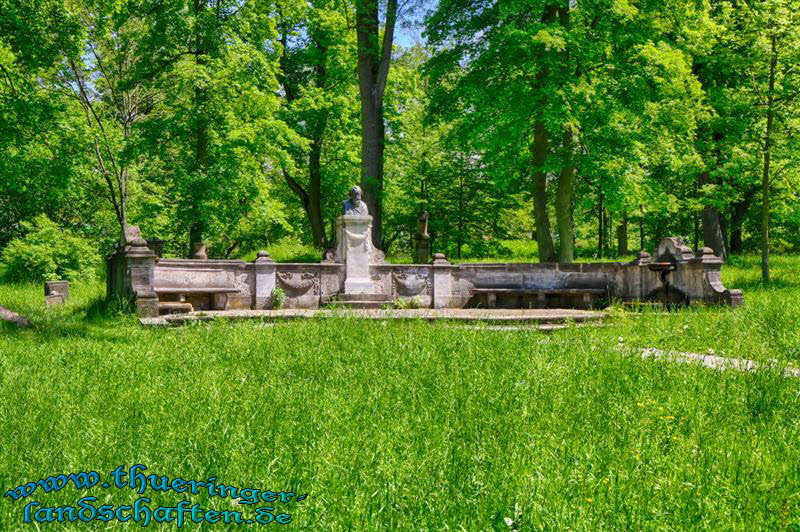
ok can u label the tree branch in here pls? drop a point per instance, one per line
(386, 49)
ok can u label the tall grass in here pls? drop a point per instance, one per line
(415, 425)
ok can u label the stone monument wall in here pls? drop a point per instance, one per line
(676, 275)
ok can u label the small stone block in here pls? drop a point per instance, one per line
(59, 287)
(54, 300)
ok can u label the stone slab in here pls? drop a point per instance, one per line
(504, 316)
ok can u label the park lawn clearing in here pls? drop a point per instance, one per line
(416, 425)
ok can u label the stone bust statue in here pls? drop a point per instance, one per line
(355, 206)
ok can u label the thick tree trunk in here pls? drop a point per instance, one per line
(540, 151)
(564, 193)
(374, 59)
(622, 236)
(372, 151)
(767, 155)
(713, 236)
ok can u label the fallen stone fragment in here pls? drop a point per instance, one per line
(13, 317)
(716, 362)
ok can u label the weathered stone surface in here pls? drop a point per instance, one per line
(199, 251)
(54, 299)
(676, 277)
(422, 240)
(130, 267)
(357, 245)
(59, 287)
(13, 317)
(263, 280)
(500, 316)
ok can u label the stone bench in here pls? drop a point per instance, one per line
(181, 305)
(586, 295)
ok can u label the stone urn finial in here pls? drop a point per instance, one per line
(440, 259)
(263, 256)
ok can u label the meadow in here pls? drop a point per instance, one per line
(416, 425)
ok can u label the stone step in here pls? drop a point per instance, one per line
(545, 319)
(174, 307)
(367, 304)
(362, 297)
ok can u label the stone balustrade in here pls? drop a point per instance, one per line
(355, 267)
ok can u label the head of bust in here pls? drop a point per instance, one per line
(355, 195)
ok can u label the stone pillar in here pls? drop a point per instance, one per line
(131, 272)
(422, 249)
(356, 242)
(141, 265)
(442, 281)
(264, 281)
(422, 240)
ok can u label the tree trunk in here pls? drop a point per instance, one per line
(544, 237)
(374, 59)
(738, 213)
(600, 220)
(372, 151)
(310, 198)
(540, 150)
(622, 235)
(765, 175)
(314, 209)
(564, 192)
(196, 225)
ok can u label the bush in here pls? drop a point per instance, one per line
(278, 298)
(48, 252)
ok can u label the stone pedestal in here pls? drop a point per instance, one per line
(422, 249)
(355, 242)
(442, 282)
(131, 273)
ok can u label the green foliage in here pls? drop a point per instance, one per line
(238, 122)
(278, 297)
(48, 252)
(291, 250)
(406, 303)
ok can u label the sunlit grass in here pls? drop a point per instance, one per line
(417, 425)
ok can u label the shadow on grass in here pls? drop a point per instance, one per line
(102, 309)
(97, 319)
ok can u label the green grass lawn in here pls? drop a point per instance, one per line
(415, 425)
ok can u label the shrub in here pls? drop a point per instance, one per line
(278, 298)
(48, 252)
(402, 304)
